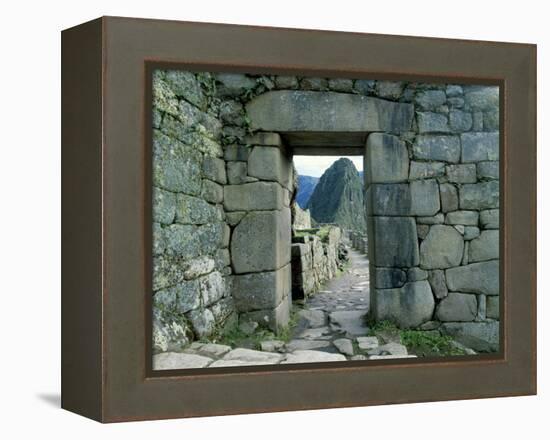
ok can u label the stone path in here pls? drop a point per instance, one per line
(331, 327)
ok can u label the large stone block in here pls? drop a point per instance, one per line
(390, 199)
(273, 319)
(299, 111)
(164, 206)
(449, 197)
(185, 85)
(445, 148)
(460, 121)
(395, 242)
(424, 197)
(263, 290)
(480, 278)
(213, 168)
(431, 99)
(479, 195)
(212, 288)
(388, 278)
(457, 307)
(176, 167)
(477, 147)
(485, 247)
(481, 336)
(488, 170)
(261, 242)
(432, 122)
(462, 173)
(193, 210)
(387, 159)
(425, 170)
(253, 196)
(442, 248)
(489, 219)
(436, 278)
(481, 97)
(408, 306)
(270, 163)
(466, 218)
(493, 307)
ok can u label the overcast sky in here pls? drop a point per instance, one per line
(316, 165)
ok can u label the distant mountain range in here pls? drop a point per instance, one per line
(306, 185)
(335, 197)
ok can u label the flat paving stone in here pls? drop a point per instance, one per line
(306, 344)
(313, 318)
(305, 356)
(351, 322)
(272, 346)
(236, 363)
(214, 349)
(247, 355)
(391, 348)
(367, 342)
(344, 346)
(179, 361)
(314, 333)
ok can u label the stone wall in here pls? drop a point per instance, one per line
(316, 258)
(191, 260)
(433, 198)
(224, 183)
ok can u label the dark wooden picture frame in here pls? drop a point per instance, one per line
(106, 214)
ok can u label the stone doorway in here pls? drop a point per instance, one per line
(223, 182)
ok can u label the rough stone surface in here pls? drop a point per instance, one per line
(194, 210)
(460, 121)
(367, 342)
(391, 348)
(493, 307)
(247, 355)
(457, 307)
(444, 148)
(213, 168)
(480, 278)
(396, 243)
(436, 278)
(178, 361)
(477, 147)
(252, 248)
(416, 274)
(424, 170)
(449, 197)
(442, 248)
(299, 111)
(344, 346)
(471, 232)
(263, 290)
(349, 322)
(408, 306)
(305, 356)
(306, 344)
(253, 196)
(390, 199)
(466, 218)
(272, 346)
(481, 97)
(387, 278)
(269, 163)
(431, 99)
(481, 336)
(462, 173)
(489, 219)
(432, 122)
(479, 195)
(391, 157)
(488, 170)
(485, 247)
(424, 197)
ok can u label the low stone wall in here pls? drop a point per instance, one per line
(359, 241)
(316, 258)
(301, 218)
